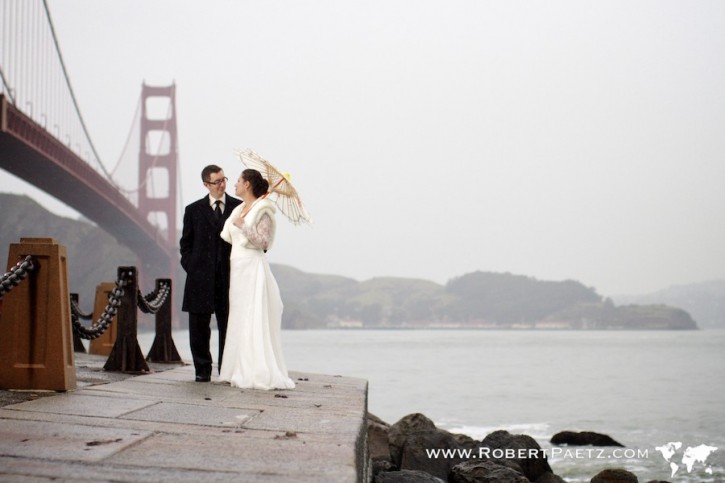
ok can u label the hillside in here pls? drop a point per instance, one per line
(93, 255)
(705, 301)
(475, 300)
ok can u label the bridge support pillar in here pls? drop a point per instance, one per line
(36, 347)
(157, 174)
(103, 344)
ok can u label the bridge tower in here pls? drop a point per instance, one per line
(158, 159)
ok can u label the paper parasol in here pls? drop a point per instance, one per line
(281, 190)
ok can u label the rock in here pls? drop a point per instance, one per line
(476, 471)
(381, 466)
(614, 475)
(415, 454)
(412, 439)
(550, 478)
(398, 433)
(378, 447)
(583, 438)
(464, 439)
(375, 419)
(406, 476)
(523, 451)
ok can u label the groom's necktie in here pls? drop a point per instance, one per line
(218, 210)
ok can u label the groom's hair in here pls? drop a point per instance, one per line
(207, 171)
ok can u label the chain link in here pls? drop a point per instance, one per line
(16, 275)
(151, 303)
(76, 310)
(104, 321)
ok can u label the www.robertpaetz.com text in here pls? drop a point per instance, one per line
(533, 453)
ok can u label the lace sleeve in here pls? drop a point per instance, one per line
(259, 235)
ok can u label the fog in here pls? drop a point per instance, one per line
(560, 140)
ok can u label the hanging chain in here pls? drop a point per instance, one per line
(104, 321)
(16, 275)
(151, 303)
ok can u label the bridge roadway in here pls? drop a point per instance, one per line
(164, 426)
(29, 152)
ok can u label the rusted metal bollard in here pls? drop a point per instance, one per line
(36, 347)
(163, 348)
(126, 355)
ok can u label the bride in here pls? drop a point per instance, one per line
(253, 350)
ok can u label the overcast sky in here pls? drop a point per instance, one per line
(555, 139)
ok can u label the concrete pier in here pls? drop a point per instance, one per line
(166, 427)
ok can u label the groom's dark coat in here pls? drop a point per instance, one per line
(204, 255)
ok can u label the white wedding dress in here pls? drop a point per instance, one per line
(253, 349)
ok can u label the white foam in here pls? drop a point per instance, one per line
(537, 431)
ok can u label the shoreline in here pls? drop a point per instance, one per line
(414, 447)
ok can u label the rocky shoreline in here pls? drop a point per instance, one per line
(415, 450)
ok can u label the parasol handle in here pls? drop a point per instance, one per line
(272, 188)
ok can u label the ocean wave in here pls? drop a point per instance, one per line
(538, 431)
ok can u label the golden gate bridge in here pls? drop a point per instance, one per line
(45, 141)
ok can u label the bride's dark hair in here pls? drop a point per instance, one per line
(259, 184)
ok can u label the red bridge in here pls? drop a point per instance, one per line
(37, 93)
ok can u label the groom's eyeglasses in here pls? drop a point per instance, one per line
(218, 182)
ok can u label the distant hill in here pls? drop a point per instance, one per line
(475, 300)
(93, 255)
(705, 301)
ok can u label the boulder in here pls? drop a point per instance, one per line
(398, 433)
(416, 452)
(583, 438)
(477, 471)
(381, 466)
(550, 478)
(406, 476)
(614, 475)
(378, 447)
(523, 451)
(464, 439)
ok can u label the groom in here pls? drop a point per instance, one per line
(205, 258)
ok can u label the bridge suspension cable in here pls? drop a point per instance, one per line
(131, 146)
(35, 78)
(36, 81)
(70, 90)
(125, 170)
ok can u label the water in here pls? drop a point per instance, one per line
(643, 388)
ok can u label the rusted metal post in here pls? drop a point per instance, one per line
(163, 348)
(126, 355)
(77, 342)
(103, 344)
(36, 347)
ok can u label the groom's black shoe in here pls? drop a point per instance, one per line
(203, 378)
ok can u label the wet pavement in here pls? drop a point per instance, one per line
(163, 426)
